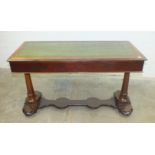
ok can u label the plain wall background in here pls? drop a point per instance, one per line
(144, 41)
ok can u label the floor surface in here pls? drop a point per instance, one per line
(75, 86)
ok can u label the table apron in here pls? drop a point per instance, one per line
(77, 66)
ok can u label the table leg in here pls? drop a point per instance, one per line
(33, 98)
(121, 97)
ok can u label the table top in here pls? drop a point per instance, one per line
(76, 50)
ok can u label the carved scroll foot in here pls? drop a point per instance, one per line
(123, 105)
(31, 106)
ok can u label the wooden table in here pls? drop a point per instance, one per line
(76, 56)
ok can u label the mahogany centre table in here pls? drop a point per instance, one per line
(76, 56)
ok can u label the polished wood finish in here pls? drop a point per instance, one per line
(78, 66)
(124, 90)
(77, 56)
(51, 57)
(122, 100)
(63, 102)
(30, 89)
(33, 98)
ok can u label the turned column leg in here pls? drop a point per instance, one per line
(30, 89)
(32, 99)
(121, 97)
(124, 90)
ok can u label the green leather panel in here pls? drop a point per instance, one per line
(82, 49)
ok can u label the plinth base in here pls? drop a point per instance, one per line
(31, 107)
(124, 107)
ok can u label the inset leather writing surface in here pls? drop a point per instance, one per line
(72, 50)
